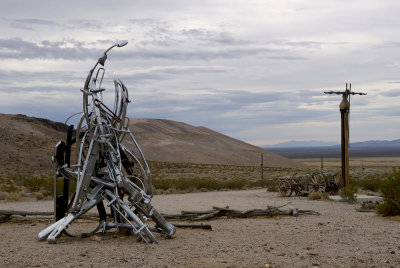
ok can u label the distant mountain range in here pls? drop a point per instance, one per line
(314, 143)
(292, 144)
(376, 143)
(315, 149)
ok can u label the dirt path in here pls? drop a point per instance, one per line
(339, 237)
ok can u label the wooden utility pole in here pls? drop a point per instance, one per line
(344, 113)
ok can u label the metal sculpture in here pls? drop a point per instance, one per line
(345, 114)
(106, 170)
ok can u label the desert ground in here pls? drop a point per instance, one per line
(338, 237)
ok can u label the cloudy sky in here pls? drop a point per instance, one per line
(253, 70)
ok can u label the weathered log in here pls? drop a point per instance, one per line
(194, 226)
(216, 212)
(25, 213)
(4, 218)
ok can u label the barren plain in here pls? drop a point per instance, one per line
(338, 237)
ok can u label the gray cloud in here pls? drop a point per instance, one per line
(16, 48)
(392, 93)
(30, 23)
(210, 63)
(211, 53)
(19, 48)
(221, 108)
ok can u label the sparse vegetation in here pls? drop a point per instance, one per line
(271, 185)
(13, 196)
(390, 188)
(167, 177)
(369, 182)
(19, 185)
(315, 196)
(196, 184)
(171, 177)
(189, 177)
(348, 192)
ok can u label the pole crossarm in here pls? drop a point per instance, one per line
(346, 93)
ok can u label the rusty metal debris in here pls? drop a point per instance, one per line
(106, 171)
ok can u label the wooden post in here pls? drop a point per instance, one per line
(322, 162)
(345, 147)
(344, 114)
(262, 166)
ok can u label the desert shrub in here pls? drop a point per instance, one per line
(13, 196)
(371, 183)
(33, 183)
(325, 196)
(10, 187)
(315, 195)
(390, 188)
(235, 184)
(39, 196)
(348, 193)
(47, 193)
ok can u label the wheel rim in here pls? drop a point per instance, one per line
(338, 183)
(285, 188)
(316, 184)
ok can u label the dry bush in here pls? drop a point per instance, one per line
(325, 196)
(315, 195)
(391, 195)
(348, 193)
(13, 196)
(370, 182)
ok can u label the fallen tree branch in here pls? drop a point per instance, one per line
(25, 213)
(217, 212)
(194, 226)
(214, 213)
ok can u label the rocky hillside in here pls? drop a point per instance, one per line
(26, 144)
(167, 140)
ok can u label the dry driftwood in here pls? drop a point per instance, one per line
(8, 215)
(217, 212)
(25, 213)
(214, 213)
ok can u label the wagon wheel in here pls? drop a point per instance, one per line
(296, 187)
(317, 183)
(300, 188)
(337, 183)
(285, 188)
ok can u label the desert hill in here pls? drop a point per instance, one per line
(166, 140)
(26, 144)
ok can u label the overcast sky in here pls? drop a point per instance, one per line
(253, 70)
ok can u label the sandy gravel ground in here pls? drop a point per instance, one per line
(339, 237)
